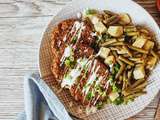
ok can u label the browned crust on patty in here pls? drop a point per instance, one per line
(82, 49)
(58, 45)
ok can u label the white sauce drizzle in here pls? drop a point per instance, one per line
(72, 76)
(86, 50)
(79, 31)
(75, 27)
(110, 67)
(99, 80)
(105, 87)
(92, 77)
(65, 38)
(67, 53)
(59, 43)
(78, 27)
(96, 100)
(93, 34)
(82, 27)
(85, 63)
(82, 62)
(79, 15)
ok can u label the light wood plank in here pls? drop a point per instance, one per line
(157, 114)
(18, 56)
(21, 8)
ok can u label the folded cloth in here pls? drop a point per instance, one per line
(40, 101)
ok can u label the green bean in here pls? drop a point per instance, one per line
(137, 83)
(126, 60)
(118, 43)
(135, 37)
(128, 51)
(132, 33)
(144, 31)
(121, 39)
(120, 78)
(113, 21)
(136, 94)
(108, 12)
(108, 42)
(144, 59)
(148, 38)
(137, 60)
(126, 55)
(130, 29)
(129, 76)
(130, 91)
(115, 54)
(138, 49)
(129, 67)
(106, 16)
(114, 48)
(124, 80)
(121, 69)
(143, 85)
(154, 54)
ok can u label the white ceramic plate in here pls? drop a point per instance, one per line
(139, 16)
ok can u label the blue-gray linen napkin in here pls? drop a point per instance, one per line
(40, 101)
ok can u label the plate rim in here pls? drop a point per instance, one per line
(73, 2)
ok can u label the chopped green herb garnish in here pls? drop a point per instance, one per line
(127, 100)
(116, 67)
(85, 69)
(90, 95)
(99, 89)
(91, 12)
(115, 88)
(106, 36)
(104, 94)
(109, 101)
(67, 76)
(67, 62)
(113, 71)
(71, 58)
(99, 105)
(74, 40)
(85, 86)
(111, 78)
(118, 101)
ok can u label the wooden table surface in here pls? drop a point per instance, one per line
(22, 23)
